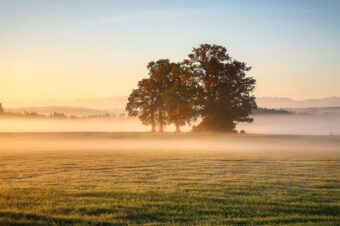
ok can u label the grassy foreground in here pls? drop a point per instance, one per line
(205, 179)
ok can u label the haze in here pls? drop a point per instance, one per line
(108, 116)
(263, 124)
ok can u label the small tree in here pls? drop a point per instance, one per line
(179, 98)
(142, 103)
(163, 98)
(159, 74)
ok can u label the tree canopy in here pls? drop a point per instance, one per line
(224, 88)
(142, 102)
(208, 85)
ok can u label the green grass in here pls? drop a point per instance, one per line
(113, 179)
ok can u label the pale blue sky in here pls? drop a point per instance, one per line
(70, 49)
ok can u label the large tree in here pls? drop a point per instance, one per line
(225, 90)
(209, 84)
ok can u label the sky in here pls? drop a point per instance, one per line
(69, 49)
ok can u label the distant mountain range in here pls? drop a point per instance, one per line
(282, 102)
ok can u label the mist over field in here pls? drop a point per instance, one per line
(186, 143)
(68, 125)
(293, 124)
(263, 124)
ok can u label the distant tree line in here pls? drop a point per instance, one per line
(208, 85)
(271, 111)
(55, 115)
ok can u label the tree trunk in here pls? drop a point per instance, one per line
(178, 129)
(161, 122)
(161, 127)
(153, 124)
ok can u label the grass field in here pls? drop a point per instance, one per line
(187, 179)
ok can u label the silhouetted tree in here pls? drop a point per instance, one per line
(1, 109)
(159, 74)
(142, 103)
(208, 84)
(164, 97)
(179, 99)
(224, 89)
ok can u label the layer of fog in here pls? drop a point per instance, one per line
(197, 147)
(68, 125)
(294, 124)
(263, 124)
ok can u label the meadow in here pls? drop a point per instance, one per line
(168, 179)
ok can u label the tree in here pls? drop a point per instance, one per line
(179, 98)
(163, 98)
(142, 103)
(147, 101)
(159, 74)
(224, 89)
(1, 109)
(209, 84)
